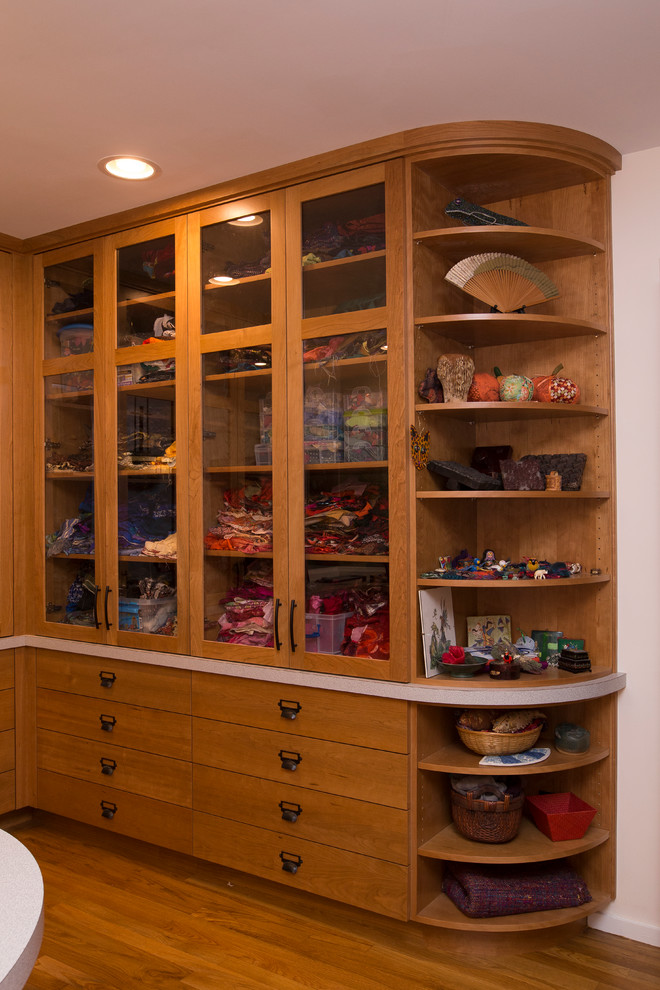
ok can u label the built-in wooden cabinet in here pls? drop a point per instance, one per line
(563, 200)
(114, 746)
(306, 787)
(7, 733)
(223, 409)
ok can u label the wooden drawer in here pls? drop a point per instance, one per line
(165, 688)
(7, 792)
(157, 777)
(381, 723)
(303, 813)
(7, 750)
(363, 881)
(335, 768)
(6, 669)
(143, 818)
(165, 733)
(6, 709)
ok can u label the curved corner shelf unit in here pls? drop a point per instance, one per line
(535, 187)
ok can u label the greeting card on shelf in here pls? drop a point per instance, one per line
(484, 631)
(438, 630)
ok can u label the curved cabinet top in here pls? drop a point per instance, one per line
(489, 156)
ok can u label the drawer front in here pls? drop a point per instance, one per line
(165, 733)
(362, 720)
(358, 826)
(335, 768)
(158, 777)
(6, 669)
(344, 876)
(7, 750)
(162, 824)
(7, 709)
(165, 688)
(7, 792)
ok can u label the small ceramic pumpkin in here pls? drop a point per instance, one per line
(484, 388)
(550, 388)
(514, 388)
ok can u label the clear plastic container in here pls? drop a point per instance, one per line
(263, 453)
(330, 631)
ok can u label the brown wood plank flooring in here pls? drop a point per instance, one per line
(121, 914)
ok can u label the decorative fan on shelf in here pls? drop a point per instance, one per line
(505, 282)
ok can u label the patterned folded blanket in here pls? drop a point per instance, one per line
(485, 891)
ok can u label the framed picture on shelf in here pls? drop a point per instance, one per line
(484, 631)
(438, 631)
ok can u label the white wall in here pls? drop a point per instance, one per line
(636, 230)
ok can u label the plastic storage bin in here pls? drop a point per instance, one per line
(146, 615)
(263, 453)
(323, 451)
(560, 816)
(365, 426)
(76, 338)
(323, 415)
(330, 631)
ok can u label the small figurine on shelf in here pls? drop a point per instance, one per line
(488, 558)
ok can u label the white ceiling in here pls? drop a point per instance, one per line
(212, 90)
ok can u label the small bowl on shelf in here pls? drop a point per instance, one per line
(467, 669)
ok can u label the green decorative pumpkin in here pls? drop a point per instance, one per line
(515, 388)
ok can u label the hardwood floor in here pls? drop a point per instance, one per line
(121, 914)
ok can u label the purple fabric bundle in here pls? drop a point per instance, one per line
(485, 891)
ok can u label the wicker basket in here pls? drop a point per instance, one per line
(487, 821)
(487, 743)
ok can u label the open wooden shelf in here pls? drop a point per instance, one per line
(529, 846)
(456, 758)
(444, 914)
(534, 244)
(490, 329)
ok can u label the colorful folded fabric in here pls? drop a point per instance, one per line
(485, 891)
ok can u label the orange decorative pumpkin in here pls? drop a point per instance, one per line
(484, 388)
(551, 388)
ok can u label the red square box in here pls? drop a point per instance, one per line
(561, 816)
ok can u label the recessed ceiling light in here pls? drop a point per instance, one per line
(253, 220)
(128, 167)
(220, 279)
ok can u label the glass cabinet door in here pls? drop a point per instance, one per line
(148, 449)
(242, 439)
(345, 335)
(71, 578)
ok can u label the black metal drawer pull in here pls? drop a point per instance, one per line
(290, 761)
(108, 766)
(107, 678)
(108, 809)
(289, 709)
(108, 722)
(290, 862)
(290, 811)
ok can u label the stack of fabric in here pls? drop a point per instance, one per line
(341, 240)
(248, 608)
(245, 521)
(75, 535)
(350, 519)
(147, 515)
(367, 633)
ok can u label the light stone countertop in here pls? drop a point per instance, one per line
(21, 912)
